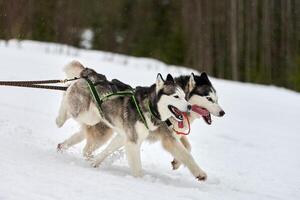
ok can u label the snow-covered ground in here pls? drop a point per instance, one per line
(250, 153)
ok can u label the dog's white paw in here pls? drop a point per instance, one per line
(95, 163)
(202, 177)
(88, 157)
(175, 164)
(137, 174)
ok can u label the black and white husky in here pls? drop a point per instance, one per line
(202, 95)
(164, 98)
(198, 91)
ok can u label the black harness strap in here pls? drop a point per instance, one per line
(95, 95)
(100, 100)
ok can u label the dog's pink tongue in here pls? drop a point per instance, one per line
(180, 124)
(199, 110)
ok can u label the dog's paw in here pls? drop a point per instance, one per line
(137, 174)
(94, 163)
(59, 122)
(60, 148)
(202, 177)
(175, 164)
(88, 157)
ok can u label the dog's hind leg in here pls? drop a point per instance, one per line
(88, 149)
(74, 139)
(62, 114)
(117, 142)
(184, 140)
(96, 136)
(180, 153)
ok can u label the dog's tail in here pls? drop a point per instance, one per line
(73, 69)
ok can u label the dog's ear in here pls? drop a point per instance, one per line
(204, 78)
(159, 82)
(192, 82)
(170, 78)
(203, 75)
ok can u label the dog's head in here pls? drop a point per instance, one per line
(202, 93)
(170, 99)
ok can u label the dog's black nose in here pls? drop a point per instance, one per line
(189, 107)
(221, 113)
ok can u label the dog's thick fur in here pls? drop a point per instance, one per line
(198, 90)
(119, 113)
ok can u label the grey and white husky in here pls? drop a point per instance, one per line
(198, 91)
(164, 98)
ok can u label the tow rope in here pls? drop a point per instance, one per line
(38, 84)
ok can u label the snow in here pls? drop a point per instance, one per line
(250, 153)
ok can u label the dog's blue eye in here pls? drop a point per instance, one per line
(176, 96)
(209, 99)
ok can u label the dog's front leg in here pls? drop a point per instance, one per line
(133, 149)
(180, 153)
(184, 140)
(95, 142)
(134, 158)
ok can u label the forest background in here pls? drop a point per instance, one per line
(244, 40)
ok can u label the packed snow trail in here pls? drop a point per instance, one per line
(250, 153)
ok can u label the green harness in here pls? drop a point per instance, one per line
(100, 100)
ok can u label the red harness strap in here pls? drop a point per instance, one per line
(189, 126)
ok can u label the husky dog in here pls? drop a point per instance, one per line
(198, 91)
(164, 98)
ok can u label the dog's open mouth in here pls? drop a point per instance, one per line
(177, 113)
(202, 112)
(207, 119)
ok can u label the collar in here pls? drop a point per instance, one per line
(168, 122)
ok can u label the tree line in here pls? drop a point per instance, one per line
(245, 40)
